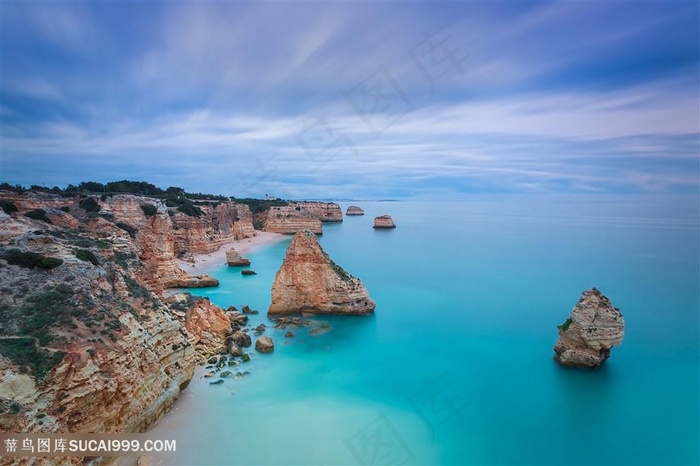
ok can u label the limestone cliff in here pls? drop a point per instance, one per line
(324, 211)
(309, 282)
(287, 220)
(216, 225)
(384, 221)
(153, 236)
(207, 324)
(354, 210)
(84, 346)
(592, 329)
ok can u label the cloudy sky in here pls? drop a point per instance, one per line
(361, 100)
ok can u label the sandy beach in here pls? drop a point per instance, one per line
(204, 262)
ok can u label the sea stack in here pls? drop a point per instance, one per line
(309, 282)
(354, 210)
(234, 259)
(384, 221)
(592, 329)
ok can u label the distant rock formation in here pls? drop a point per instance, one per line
(309, 282)
(297, 216)
(287, 221)
(384, 221)
(234, 259)
(592, 329)
(354, 210)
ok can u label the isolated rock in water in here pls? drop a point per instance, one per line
(354, 210)
(248, 272)
(593, 328)
(309, 282)
(264, 345)
(234, 259)
(384, 221)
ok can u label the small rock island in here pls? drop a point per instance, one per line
(354, 210)
(233, 258)
(384, 222)
(592, 329)
(309, 282)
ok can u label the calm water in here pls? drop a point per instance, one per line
(456, 366)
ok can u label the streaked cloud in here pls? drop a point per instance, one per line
(552, 97)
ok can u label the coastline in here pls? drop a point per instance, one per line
(203, 263)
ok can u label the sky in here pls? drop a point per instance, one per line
(353, 100)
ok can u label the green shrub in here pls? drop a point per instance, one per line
(89, 204)
(25, 354)
(38, 214)
(149, 210)
(8, 207)
(49, 263)
(127, 228)
(565, 326)
(28, 259)
(65, 209)
(87, 256)
(191, 210)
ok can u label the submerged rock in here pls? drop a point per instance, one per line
(235, 259)
(309, 282)
(592, 329)
(384, 221)
(264, 345)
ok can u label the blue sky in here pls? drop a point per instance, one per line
(360, 100)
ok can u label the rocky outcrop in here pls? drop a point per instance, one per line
(384, 221)
(309, 282)
(287, 221)
(84, 347)
(264, 345)
(207, 324)
(354, 210)
(235, 259)
(592, 329)
(324, 211)
(158, 233)
(297, 216)
(216, 225)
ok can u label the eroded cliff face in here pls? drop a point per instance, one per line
(592, 329)
(302, 215)
(207, 324)
(287, 221)
(153, 236)
(324, 211)
(218, 224)
(309, 282)
(84, 346)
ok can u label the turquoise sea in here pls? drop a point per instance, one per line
(456, 365)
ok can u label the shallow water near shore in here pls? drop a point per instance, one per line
(456, 367)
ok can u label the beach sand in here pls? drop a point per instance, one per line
(205, 262)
